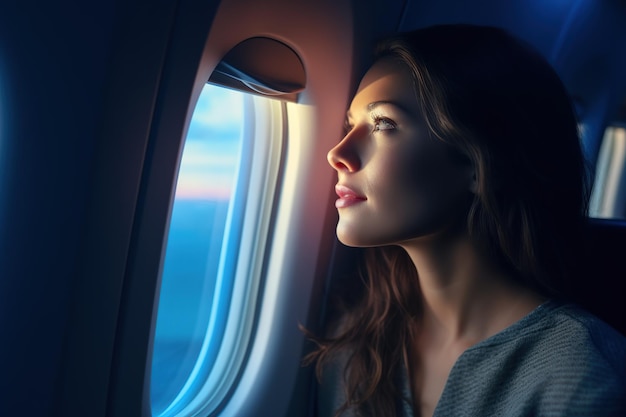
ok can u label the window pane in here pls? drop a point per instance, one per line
(608, 198)
(196, 243)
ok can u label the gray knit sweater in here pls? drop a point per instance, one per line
(557, 361)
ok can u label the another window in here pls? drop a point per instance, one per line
(608, 199)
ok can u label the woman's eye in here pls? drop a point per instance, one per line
(381, 123)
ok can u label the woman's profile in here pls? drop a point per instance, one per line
(461, 171)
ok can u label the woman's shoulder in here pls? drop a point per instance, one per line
(564, 325)
(573, 329)
(587, 363)
(563, 336)
(559, 360)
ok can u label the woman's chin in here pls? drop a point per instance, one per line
(354, 237)
(349, 238)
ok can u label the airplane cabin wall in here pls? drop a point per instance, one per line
(53, 62)
(80, 83)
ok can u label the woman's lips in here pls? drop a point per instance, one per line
(347, 196)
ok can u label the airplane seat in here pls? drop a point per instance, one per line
(601, 285)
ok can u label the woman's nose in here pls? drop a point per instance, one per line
(344, 156)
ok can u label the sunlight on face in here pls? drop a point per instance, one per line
(395, 181)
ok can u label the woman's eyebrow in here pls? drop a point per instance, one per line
(372, 106)
(375, 104)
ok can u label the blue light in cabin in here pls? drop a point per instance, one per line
(204, 190)
(2, 116)
(4, 120)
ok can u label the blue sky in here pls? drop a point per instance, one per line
(211, 149)
(210, 160)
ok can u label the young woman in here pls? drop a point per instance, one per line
(461, 165)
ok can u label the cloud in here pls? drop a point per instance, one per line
(208, 133)
(205, 187)
(219, 107)
(212, 153)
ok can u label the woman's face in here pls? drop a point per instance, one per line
(396, 182)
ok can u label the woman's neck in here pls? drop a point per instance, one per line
(467, 297)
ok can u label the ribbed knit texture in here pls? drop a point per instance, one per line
(557, 361)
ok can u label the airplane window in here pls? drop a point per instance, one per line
(198, 223)
(213, 258)
(608, 198)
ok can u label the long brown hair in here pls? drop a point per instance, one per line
(499, 104)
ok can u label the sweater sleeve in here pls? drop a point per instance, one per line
(594, 381)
